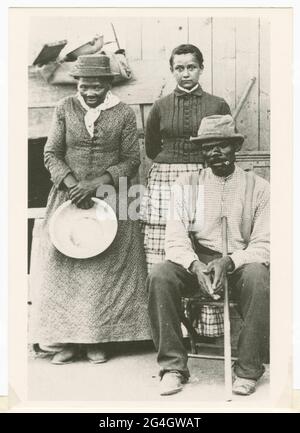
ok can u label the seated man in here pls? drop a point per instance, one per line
(194, 262)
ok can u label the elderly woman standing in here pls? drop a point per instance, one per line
(172, 120)
(83, 303)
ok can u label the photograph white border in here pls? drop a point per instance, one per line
(278, 166)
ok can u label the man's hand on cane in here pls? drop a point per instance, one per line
(218, 269)
(200, 270)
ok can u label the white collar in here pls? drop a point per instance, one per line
(190, 90)
(92, 114)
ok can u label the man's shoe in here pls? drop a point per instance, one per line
(171, 382)
(243, 386)
(96, 354)
(65, 356)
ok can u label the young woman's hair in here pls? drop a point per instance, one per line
(186, 49)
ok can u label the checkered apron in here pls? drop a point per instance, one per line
(208, 321)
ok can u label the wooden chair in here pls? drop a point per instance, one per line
(190, 307)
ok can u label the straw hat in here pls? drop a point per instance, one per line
(83, 233)
(92, 65)
(217, 128)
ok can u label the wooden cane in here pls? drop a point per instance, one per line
(227, 341)
(243, 98)
(115, 35)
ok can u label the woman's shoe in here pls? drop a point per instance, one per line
(96, 354)
(65, 356)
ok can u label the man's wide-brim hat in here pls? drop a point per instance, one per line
(83, 233)
(218, 128)
(92, 65)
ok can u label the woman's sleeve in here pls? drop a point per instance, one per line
(129, 151)
(153, 142)
(225, 109)
(55, 149)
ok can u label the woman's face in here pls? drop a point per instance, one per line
(93, 90)
(186, 70)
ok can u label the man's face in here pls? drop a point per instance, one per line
(186, 70)
(220, 156)
(93, 90)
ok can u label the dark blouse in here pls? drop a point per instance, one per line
(173, 119)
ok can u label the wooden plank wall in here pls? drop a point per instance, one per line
(234, 50)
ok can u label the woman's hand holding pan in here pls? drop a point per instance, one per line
(86, 203)
(81, 193)
(71, 182)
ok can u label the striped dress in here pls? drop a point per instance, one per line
(172, 120)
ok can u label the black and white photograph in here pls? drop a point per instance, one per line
(148, 184)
